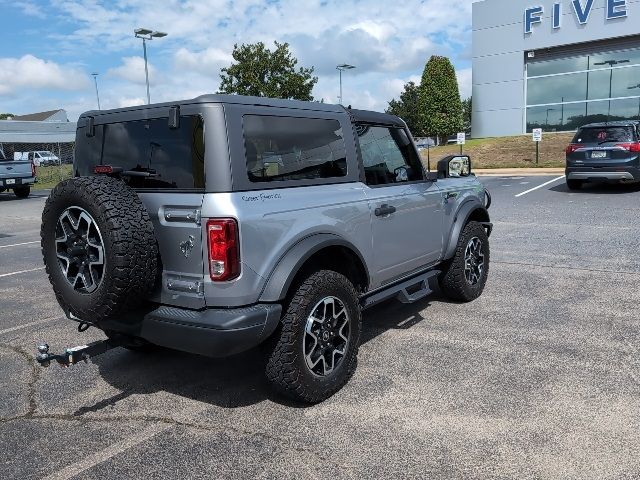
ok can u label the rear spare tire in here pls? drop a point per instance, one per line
(98, 246)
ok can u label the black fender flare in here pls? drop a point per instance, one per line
(461, 219)
(292, 261)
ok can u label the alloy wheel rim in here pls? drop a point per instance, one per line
(326, 336)
(473, 261)
(80, 250)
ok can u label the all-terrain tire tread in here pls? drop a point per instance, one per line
(133, 258)
(281, 370)
(453, 282)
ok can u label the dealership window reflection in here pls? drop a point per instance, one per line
(563, 94)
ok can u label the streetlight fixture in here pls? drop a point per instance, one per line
(340, 68)
(611, 64)
(95, 81)
(146, 34)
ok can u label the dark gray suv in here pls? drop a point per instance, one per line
(604, 152)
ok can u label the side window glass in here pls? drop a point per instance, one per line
(388, 155)
(288, 148)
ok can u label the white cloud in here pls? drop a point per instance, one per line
(208, 61)
(132, 70)
(464, 82)
(29, 72)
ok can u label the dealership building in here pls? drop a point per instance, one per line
(554, 64)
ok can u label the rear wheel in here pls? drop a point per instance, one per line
(574, 184)
(22, 192)
(315, 351)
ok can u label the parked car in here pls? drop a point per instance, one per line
(40, 158)
(16, 175)
(424, 143)
(604, 152)
(295, 218)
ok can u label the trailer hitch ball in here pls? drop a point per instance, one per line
(43, 355)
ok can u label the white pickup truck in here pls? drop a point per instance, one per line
(16, 175)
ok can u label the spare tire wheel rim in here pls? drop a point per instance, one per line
(80, 249)
(326, 336)
(473, 261)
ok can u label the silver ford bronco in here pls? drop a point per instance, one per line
(220, 223)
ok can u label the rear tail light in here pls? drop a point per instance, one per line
(224, 249)
(572, 148)
(103, 169)
(632, 147)
(33, 169)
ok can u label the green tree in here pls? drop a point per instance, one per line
(467, 105)
(261, 72)
(440, 98)
(408, 108)
(4, 116)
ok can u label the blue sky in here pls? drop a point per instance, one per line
(49, 48)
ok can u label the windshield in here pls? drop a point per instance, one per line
(601, 135)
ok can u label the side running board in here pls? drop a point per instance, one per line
(408, 291)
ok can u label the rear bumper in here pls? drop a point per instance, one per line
(603, 173)
(211, 332)
(19, 182)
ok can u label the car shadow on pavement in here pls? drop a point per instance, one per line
(231, 382)
(600, 188)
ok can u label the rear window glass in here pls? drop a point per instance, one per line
(604, 135)
(161, 157)
(287, 148)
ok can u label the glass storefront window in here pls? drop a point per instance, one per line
(561, 88)
(633, 57)
(562, 65)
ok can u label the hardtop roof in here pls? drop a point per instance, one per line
(356, 115)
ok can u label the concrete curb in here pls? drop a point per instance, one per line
(501, 172)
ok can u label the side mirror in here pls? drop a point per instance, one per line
(454, 166)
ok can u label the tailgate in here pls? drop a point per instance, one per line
(15, 169)
(178, 231)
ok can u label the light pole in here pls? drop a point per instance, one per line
(95, 80)
(146, 34)
(632, 87)
(611, 64)
(340, 68)
(547, 120)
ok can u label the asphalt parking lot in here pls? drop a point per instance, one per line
(539, 378)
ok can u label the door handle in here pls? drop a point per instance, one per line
(384, 210)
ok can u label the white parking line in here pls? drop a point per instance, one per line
(18, 244)
(21, 271)
(111, 451)
(540, 186)
(30, 324)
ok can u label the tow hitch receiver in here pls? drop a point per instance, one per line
(73, 355)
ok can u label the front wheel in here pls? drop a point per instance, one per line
(315, 350)
(466, 274)
(22, 192)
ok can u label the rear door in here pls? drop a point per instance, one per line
(165, 166)
(406, 209)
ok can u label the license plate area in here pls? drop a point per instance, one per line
(10, 181)
(599, 154)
